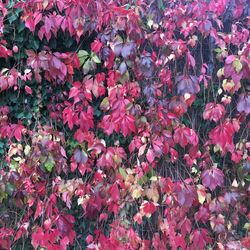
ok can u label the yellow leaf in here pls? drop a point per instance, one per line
(152, 194)
(201, 194)
(227, 85)
(237, 65)
(220, 73)
(137, 192)
(45, 3)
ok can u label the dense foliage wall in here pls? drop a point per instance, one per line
(124, 124)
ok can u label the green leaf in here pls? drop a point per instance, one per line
(20, 27)
(88, 66)
(9, 188)
(160, 5)
(82, 55)
(13, 17)
(96, 59)
(3, 196)
(49, 164)
(123, 173)
(34, 44)
(237, 65)
(144, 179)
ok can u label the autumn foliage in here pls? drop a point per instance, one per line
(124, 124)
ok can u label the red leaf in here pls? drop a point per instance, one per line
(200, 238)
(142, 150)
(96, 46)
(18, 132)
(127, 125)
(246, 241)
(148, 208)
(39, 209)
(65, 224)
(114, 192)
(222, 135)
(185, 136)
(21, 231)
(217, 223)
(213, 112)
(37, 238)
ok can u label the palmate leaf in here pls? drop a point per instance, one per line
(108, 141)
(212, 178)
(83, 56)
(49, 164)
(187, 84)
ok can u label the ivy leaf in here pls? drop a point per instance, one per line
(213, 112)
(185, 194)
(39, 209)
(150, 155)
(237, 65)
(222, 135)
(28, 90)
(185, 136)
(244, 103)
(148, 208)
(114, 192)
(96, 59)
(200, 238)
(187, 84)
(128, 49)
(49, 164)
(201, 192)
(96, 46)
(82, 55)
(80, 156)
(123, 173)
(212, 178)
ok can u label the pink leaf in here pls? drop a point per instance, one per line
(28, 90)
(150, 155)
